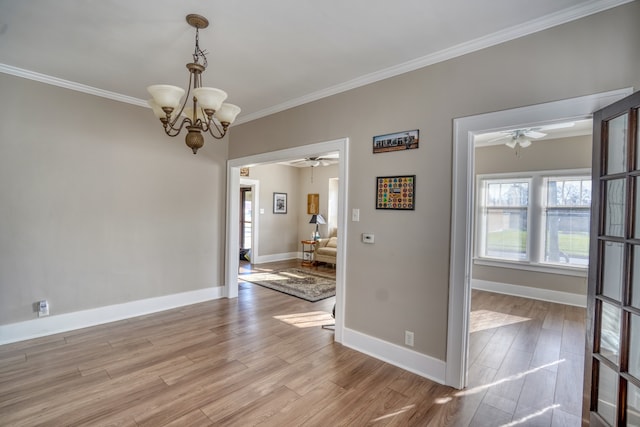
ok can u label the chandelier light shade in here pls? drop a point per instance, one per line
(202, 110)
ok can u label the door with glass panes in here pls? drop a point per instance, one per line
(612, 365)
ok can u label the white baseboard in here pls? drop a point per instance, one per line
(261, 259)
(81, 319)
(396, 355)
(529, 292)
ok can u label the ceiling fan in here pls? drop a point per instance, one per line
(523, 137)
(315, 161)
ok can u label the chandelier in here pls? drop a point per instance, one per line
(205, 111)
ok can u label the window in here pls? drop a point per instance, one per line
(534, 219)
(504, 219)
(566, 219)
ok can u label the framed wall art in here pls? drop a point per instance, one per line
(313, 204)
(279, 203)
(396, 192)
(406, 140)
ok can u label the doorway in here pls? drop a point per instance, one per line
(246, 222)
(463, 203)
(233, 213)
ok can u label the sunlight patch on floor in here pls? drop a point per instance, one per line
(526, 419)
(481, 320)
(306, 320)
(478, 389)
(393, 414)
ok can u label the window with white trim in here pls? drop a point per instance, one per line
(539, 218)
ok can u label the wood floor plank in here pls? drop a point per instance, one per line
(244, 362)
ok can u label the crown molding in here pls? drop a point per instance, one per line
(536, 25)
(512, 33)
(67, 84)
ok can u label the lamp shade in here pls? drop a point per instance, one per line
(209, 98)
(166, 95)
(159, 112)
(317, 219)
(227, 113)
(188, 111)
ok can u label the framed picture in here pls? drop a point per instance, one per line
(279, 203)
(396, 192)
(244, 171)
(406, 140)
(313, 202)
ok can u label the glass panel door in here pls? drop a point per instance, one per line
(614, 280)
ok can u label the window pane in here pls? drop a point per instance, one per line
(636, 226)
(508, 193)
(613, 268)
(635, 274)
(610, 332)
(568, 191)
(634, 347)
(567, 236)
(506, 233)
(617, 145)
(607, 394)
(633, 406)
(615, 207)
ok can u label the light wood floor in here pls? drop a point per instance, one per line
(263, 359)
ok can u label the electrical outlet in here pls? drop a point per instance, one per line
(408, 338)
(43, 308)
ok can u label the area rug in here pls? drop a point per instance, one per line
(308, 285)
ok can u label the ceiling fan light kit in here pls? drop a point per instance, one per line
(522, 137)
(207, 113)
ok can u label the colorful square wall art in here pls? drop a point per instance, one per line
(396, 192)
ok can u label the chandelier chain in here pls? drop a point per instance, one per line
(199, 52)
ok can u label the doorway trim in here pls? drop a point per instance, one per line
(461, 255)
(233, 214)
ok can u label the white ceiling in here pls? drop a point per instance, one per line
(268, 55)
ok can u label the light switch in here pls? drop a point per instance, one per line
(355, 215)
(261, 211)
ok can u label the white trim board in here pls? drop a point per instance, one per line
(55, 324)
(549, 295)
(402, 357)
(262, 259)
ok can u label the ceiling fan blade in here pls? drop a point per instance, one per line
(557, 126)
(511, 143)
(500, 138)
(534, 134)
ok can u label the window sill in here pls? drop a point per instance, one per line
(539, 268)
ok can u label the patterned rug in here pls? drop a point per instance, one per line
(308, 285)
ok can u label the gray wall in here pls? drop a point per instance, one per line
(98, 206)
(281, 234)
(552, 154)
(320, 186)
(401, 282)
(278, 233)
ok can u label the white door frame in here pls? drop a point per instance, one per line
(464, 130)
(233, 214)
